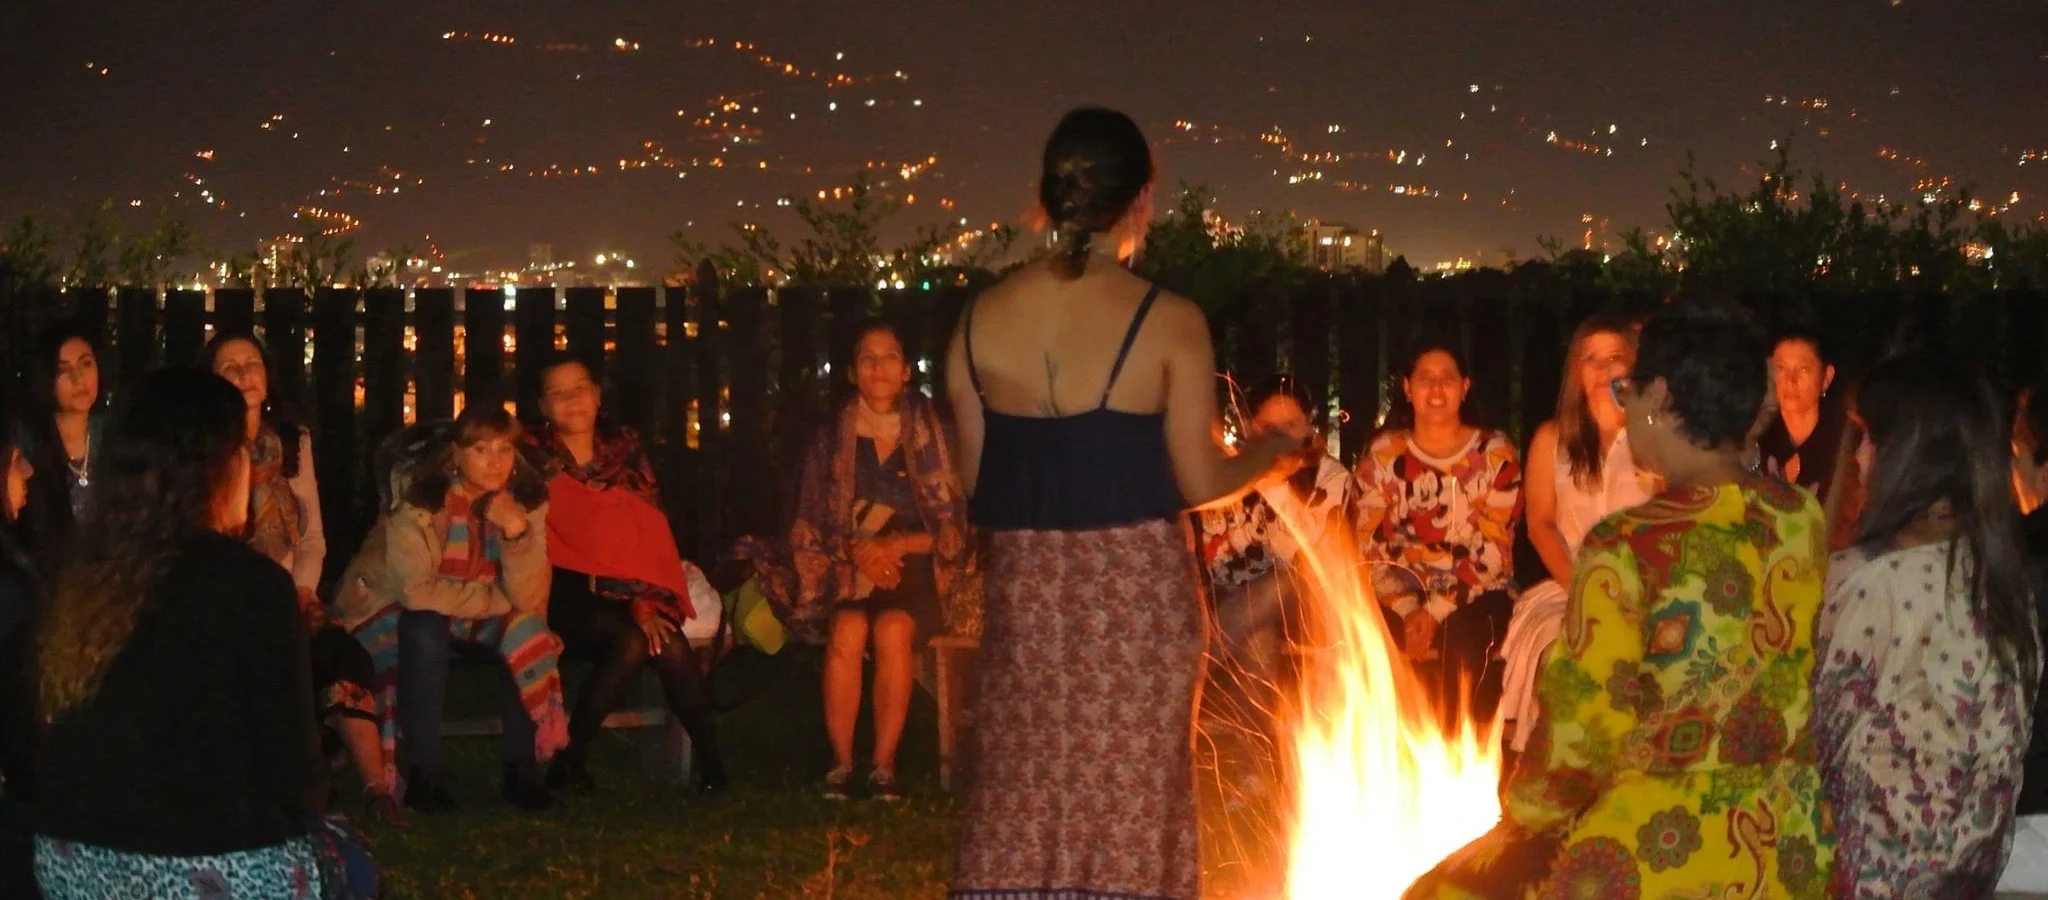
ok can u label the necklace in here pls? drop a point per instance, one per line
(81, 468)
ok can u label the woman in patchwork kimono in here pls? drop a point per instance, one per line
(460, 562)
(1673, 755)
(880, 540)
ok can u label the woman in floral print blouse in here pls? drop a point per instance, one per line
(1672, 757)
(1929, 655)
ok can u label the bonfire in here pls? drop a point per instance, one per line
(1381, 790)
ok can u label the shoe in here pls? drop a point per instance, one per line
(882, 786)
(570, 771)
(523, 788)
(382, 807)
(836, 782)
(712, 782)
(426, 790)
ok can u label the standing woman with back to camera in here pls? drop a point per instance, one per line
(1085, 399)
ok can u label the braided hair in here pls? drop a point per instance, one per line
(1097, 163)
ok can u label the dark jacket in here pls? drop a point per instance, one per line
(20, 611)
(200, 739)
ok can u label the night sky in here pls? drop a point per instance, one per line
(1553, 103)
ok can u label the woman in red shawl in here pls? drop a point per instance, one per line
(620, 594)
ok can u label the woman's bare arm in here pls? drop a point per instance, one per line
(1539, 490)
(1205, 474)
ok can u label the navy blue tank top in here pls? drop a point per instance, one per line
(1103, 468)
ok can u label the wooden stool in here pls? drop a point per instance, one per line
(950, 657)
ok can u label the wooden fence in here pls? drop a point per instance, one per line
(725, 385)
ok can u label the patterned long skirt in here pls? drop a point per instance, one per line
(1091, 664)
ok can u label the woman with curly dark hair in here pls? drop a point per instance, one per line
(1673, 754)
(460, 560)
(168, 770)
(1929, 650)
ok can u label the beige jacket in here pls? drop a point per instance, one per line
(400, 563)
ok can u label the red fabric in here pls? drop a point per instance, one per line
(613, 534)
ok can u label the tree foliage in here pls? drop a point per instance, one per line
(92, 250)
(1193, 253)
(1795, 234)
(841, 244)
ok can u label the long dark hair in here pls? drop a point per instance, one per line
(1578, 434)
(1940, 436)
(1096, 164)
(279, 414)
(171, 446)
(1401, 412)
(46, 522)
(434, 475)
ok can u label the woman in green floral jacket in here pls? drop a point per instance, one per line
(1674, 756)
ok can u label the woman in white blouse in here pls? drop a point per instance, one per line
(284, 524)
(1579, 470)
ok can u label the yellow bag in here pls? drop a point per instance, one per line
(753, 619)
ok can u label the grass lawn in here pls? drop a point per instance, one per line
(771, 837)
(640, 837)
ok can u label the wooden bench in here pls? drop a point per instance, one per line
(669, 759)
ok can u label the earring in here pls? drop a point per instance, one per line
(1649, 418)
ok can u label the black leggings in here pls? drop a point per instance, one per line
(1467, 642)
(602, 631)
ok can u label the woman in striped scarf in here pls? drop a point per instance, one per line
(460, 563)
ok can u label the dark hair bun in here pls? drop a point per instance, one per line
(1097, 162)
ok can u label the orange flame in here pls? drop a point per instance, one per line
(1381, 792)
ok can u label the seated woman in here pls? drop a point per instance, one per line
(62, 437)
(1672, 757)
(880, 539)
(1800, 443)
(1438, 500)
(1579, 471)
(181, 759)
(460, 559)
(284, 524)
(1251, 556)
(621, 594)
(20, 610)
(1929, 646)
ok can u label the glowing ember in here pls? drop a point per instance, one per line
(1381, 792)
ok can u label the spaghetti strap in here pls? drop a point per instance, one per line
(1130, 337)
(967, 334)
